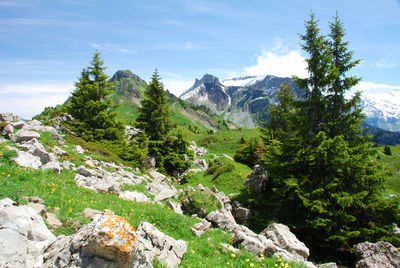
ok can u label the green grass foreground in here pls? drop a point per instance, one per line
(67, 201)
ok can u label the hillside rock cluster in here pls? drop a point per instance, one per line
(109, 240)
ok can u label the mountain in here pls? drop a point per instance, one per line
(128, 91)
(245, 100)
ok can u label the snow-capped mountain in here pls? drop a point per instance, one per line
(208, 91)
(381, 105)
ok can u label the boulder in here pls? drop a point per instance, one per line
(82, 170)
(201, 163)
(200, 151)
(59, 152)
(168, 251)
(175, 206)
(380, 254)
(257, 180)
(6, 116)
(241, 214)
(18, 124)
(24, 135)
(165, 194)
(53, 221)
(282, 237)
(199, 228)
(26, 159)
(78, 149)
(53, 165)
(39, 208)
(107, 184)
(8, 130)
(135, 196)
(67, 165)
(230, 248)
(90, 213)
(107, 241)
(23, 235)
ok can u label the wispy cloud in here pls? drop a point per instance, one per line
(386, 63)
(112, 47)
(279, 61)
(187, 46)
(27, 100)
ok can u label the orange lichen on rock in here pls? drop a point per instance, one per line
(119, 234)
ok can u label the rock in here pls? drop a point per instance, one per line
(36, 199)
(24, 135)
(380, 254)
(175, 206)
(59, 152)
(200, 187)
(8, 130)
(201, 163)
(39, 208)
(67, 165)
(165, 194)
(158, 177)
(199, 228)
(241, 214)
(107, 184)
(26, 159)
(131, 132)
(78, 149)
(18, 125)
(257, 180)
(231, 248)
(282, 237)
(227, 156)
(200, 151)
(135, 196)
(395, 229)
(150, 162)
(53, 165)
(90, 213)
(168, 251)
(6, 116)
(23, 235)
(82, 170)
(52, 220)
(327, 265)
(107, 241)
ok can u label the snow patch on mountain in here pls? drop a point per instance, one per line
(243, 81)
(380, 100)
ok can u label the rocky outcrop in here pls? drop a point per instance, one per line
(200, 228)
(282, 237)
(107, 241)
(175, 206)
(135, 196)
(23, 235)
(8, 130)
(240, 213)
(199, 151)
(168, 251)
(380, 254)
(24, 135)
(257, 180)
(6, 116)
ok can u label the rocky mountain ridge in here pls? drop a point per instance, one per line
(245, 100)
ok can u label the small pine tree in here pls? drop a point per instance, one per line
(387, 150)
(91, 106)
(154, 114)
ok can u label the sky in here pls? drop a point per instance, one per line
(45, 44)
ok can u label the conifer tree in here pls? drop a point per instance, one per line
(324, 180)
(91, 106)
(154, 114)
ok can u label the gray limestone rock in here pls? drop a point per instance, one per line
(8, 130)
(6, 116)
(168, 251)
(175, 206)
(380, 254)
(135, 196)
(257, 180)
(24, 135)
(26, 159)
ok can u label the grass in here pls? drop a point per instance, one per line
(60, 193)
(391, 163)
(227, 175)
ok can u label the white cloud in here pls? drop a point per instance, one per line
(279, 61)
(27, 100)
(385, 63)
(111, 47)
(371, 88)
(177, 86)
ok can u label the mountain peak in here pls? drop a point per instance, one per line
(125, 74)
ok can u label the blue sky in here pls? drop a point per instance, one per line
(44, 44)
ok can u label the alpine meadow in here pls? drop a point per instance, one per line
(251, 171)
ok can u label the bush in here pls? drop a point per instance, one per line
(387, 150)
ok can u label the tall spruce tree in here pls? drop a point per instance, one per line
(91, 106)
(154, 114)
(324, 180)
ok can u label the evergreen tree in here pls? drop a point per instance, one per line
(324, 180)
(91, 106)
(154, 114)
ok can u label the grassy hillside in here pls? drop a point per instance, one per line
(391, 163)
(60, 192)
